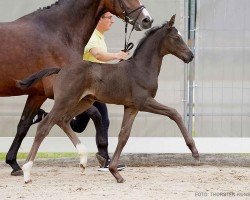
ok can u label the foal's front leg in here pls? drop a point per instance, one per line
(128, 119)
(152, 106)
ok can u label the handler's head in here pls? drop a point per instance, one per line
(105, 22)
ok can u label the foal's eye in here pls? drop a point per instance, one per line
(178, 38)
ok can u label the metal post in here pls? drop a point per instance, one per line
(191, 78)
(186, 37)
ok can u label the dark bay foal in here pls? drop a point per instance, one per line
(132, 83)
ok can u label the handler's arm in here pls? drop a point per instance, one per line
(105, 56)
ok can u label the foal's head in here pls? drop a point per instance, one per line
(173, 43)
(133, 10)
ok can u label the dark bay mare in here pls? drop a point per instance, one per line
(52, 36)
(132, 83)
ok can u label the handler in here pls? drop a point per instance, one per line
(96, 51)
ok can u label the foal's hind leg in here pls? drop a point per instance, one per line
(64, 124)
(128, 119)
(43, 130)
(80, 123)
(81, 149)
(32, 105)
(152, 106)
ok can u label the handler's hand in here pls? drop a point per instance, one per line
(121, 55)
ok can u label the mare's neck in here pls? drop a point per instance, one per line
(72, 20)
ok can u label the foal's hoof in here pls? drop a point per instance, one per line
(28, 181)
(17, 173)
(120, 180)
(196, 156)
(82, 167)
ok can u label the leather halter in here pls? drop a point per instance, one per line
(128, 46)
(126, 9)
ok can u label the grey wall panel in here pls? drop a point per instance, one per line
(222, 69)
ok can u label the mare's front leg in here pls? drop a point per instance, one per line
(32, 105)
(152, 106)
(128, 119)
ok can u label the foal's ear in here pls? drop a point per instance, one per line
(171, 22)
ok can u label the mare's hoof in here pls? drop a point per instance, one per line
(17, 173)
(120, 180)
(27, 182)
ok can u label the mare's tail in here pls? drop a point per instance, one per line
(34, 78)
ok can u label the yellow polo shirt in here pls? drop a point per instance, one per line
(96, 40)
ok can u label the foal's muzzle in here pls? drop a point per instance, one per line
(189, 57)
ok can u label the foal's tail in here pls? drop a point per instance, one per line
(34, 78)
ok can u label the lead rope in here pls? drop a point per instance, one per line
(129, 45)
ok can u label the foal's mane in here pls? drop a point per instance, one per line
(148, 34)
